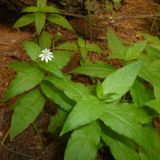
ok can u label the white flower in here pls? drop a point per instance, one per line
(46, 55)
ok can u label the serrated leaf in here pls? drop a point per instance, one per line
(75, 91)
(134, 51)
(83, 143)
(121, 80)
(139, 93)
(115, 45)
(23, 82)
(59, 20)
(57, 120)
(45, 40)
(41, 3)
(32, 49)
(50, 9)
(57, 96)
(120, 150)
(52, 67)
(30, 9)
(24, 20)
(70, 46)
(86, 111)
(121, 119)
(20, 66)
(40, 20)
(61, 58)
(26, 111)
(93, 47)
(98, 69)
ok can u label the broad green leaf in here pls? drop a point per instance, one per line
(57, 96)
(154, 104)
(157, 91)
(121, 119)
(93, 47)
(20, 66)
(120, 150)
(139, 93)
(75, 91)
(62, 58)
(45, 40)
(60, 20)
(115, 45)
(150, 72)
(83, 143)
(32, 49)
(86, 111)
(119, 82)
(153, 51)
(70, 46)
(26, 111)
(23, 82)
(30, 9)
(134, 51)
(98, 69)
(50, 9)
(24, 20)
(151, 38)
(40, 20)
(41, 3)
(57, 120)
(52, 67)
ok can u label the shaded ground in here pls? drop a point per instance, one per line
(132, 18)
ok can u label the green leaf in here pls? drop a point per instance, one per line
(157, 91)
(120, 150)
(134, 51)
(52, 67)
(81, 43)
(83, 143)
(115, 45)
(86, 111)
(57, 96)
(61, 58)
(75, 91)
(24, 20)
(50, 9)
(93, 47)
(150, 72)
(23, 82)
(20, 66)
(60, 20)
(139, 93)
(30, 9)
(45, 40)
(57, 121)
(32, 49)
(98, 69)
(58, 37)
(27, 108)
(41, 3)
(153, 51)
(40, 20)
(151, 38)
(154, 104)
(70, 46)
(121, 119)
(121, 81)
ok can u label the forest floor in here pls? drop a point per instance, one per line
(131, 19)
